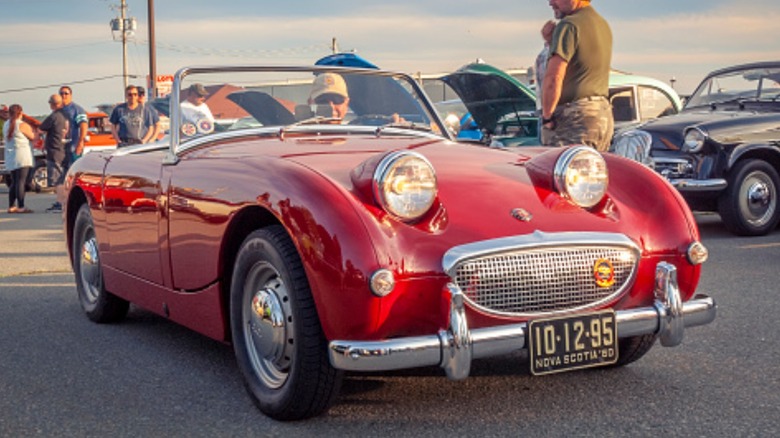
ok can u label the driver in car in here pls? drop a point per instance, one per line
(330, 91)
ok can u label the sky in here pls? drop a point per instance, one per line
(48, 43)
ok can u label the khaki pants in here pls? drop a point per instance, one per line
(585, 121)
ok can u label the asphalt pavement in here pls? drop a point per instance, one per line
(32, 243)
(62, 375)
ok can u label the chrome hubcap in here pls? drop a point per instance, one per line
(89, 267)
(268, 328)
(759, 200)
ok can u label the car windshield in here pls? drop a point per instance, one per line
(758, 84)
(213, 100)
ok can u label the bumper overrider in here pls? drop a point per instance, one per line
(455, 348)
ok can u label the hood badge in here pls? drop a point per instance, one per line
(522, 215)
(604, 273)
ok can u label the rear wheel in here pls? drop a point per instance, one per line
(749, 206)
(277, 337)
(99, 305)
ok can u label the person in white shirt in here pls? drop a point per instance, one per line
(196, 117)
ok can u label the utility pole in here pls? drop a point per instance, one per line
(123, 10)
(152, 54)
(126, 28)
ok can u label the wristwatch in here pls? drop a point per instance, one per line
(550, 121)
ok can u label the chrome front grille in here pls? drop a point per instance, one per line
(541, 279)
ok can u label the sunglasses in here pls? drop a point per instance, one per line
(132, 94)
(335, 99)
(64, 93)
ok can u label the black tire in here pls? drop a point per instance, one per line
(100, 305)
(633, 348)
(749, 206)
(281, 350)
(40, 178)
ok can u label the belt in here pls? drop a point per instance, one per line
(586, 99)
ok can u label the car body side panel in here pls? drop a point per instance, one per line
(132, 198)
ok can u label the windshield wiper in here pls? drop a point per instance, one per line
(406, 125)
(316, 120)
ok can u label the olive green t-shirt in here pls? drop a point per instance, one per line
(584, 40)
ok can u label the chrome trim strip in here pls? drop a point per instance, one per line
(699, 185)
(419, 351)
(538, 239)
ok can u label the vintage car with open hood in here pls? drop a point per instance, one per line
(502, 109)
(344, 230)
(722, 152)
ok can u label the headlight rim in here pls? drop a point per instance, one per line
(699, 142)
(382, 171)
(560, 170)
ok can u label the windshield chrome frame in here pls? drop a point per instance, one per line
(175, 96)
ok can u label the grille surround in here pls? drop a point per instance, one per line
(541, 274)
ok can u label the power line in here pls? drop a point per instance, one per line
(83, 81)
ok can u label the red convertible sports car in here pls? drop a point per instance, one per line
(337, 227)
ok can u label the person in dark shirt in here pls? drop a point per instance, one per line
(575, 104)
(55, 127)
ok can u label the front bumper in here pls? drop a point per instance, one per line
(454, 349)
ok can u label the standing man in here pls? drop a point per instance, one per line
(131, 122)
(79, 124)
(575, 105)
(55, 126)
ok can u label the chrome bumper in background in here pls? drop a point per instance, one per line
(699, 185)
(454, 349)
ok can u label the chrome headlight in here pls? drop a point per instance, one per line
(581, 176)
(694, 139)
(405, 185)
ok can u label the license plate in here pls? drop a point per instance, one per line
(572, 342)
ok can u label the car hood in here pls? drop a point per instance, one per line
(726, 127)
(490, 94)
(479, 185)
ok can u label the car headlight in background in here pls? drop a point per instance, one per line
(405, 185)
(581, 176)
(694, 139)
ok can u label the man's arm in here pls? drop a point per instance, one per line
(115, 132)
(153, 125)
(83, 128)
(552, 86)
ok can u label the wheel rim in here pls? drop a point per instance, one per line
(268, 326)
(89, 268)
(41, 177)
(758, 199)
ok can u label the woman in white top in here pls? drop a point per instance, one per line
(18, 157)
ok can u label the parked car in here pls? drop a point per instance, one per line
(317, 245)
(502, 110)
(722, 152)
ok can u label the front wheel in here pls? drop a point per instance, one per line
(277, 337)
(748, 207)
(633, 348)
(100, 305)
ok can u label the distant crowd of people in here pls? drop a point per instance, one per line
(64, 132)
